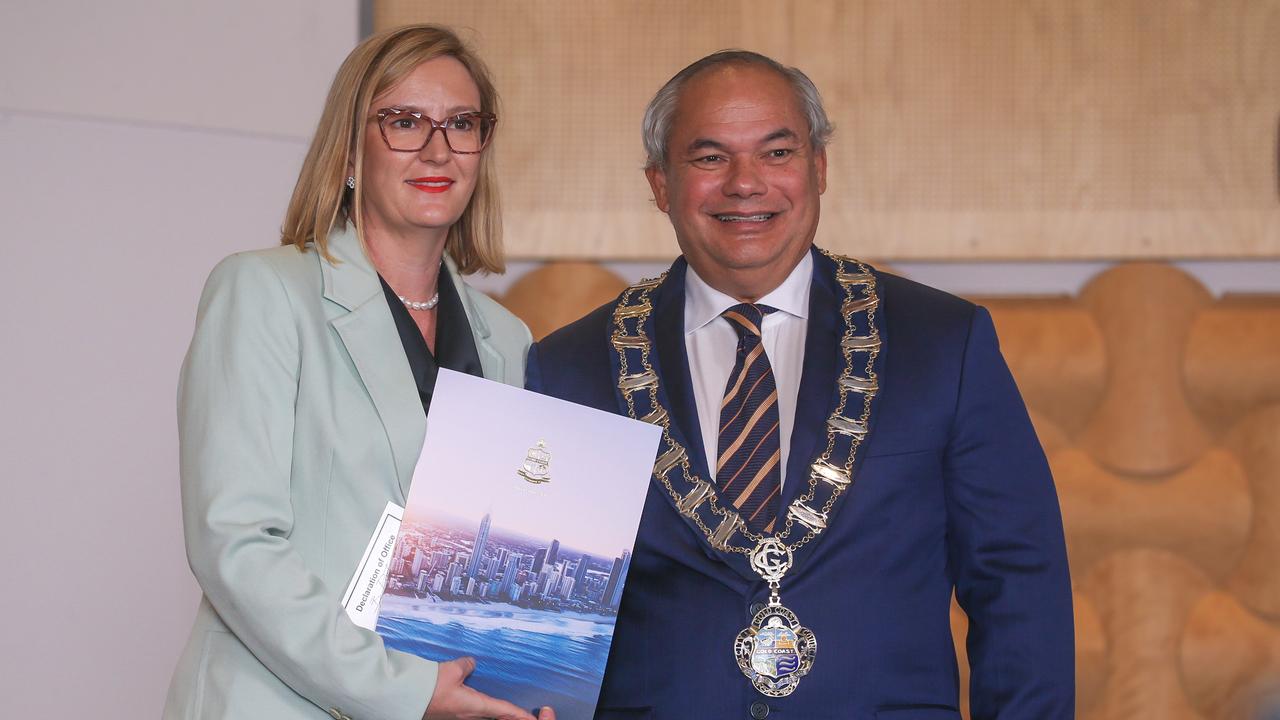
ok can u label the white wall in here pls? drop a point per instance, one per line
(139, 142)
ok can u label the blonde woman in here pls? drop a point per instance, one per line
(303, 398)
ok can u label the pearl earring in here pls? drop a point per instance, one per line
(351, 181)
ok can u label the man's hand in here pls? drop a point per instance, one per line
(455, 701)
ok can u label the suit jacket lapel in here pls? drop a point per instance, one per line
(491, 361)
(817, 398)
(671, 361)
(817, 395)
(673, 364)
(368, 332)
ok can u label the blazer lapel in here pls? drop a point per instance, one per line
(368, 332)
(817, 396)
(673, 365)
(492, 362)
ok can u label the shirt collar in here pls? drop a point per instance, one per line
(703, 303)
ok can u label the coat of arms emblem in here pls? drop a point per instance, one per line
(776, 651)
(537, 465)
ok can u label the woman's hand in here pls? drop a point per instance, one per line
(453, 700)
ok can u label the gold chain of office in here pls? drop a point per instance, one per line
(770, 556)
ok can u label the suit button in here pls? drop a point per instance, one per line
(759, 710)
(755, 609)
(335, 713)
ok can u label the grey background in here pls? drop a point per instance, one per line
(141, 142)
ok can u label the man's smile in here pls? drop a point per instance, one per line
(744, 218)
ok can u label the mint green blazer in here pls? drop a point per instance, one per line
(298, 420)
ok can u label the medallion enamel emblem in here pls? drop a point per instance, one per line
(775, 651)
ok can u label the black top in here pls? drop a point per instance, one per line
(455, 348)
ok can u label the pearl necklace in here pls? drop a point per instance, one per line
(414, 305)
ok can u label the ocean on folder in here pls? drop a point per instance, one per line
(527, 657)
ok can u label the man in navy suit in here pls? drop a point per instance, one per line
(844, 449)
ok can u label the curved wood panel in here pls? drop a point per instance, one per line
(1144, 425)
(558, 293)
(1232, 362)
(1256, 581)
(1230, 659)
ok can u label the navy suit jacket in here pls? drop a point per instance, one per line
(951, 493)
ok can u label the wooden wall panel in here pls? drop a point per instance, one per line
(991, 129)
(1169, 487)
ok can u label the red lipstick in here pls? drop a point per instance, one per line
(432, 184)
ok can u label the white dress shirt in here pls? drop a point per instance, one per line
(712, 347)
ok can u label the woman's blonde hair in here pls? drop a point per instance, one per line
(321, 199)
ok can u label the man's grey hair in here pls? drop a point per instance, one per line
(661, 110)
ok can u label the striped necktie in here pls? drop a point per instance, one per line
(748, 471)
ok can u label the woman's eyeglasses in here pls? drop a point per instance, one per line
(410, 131)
